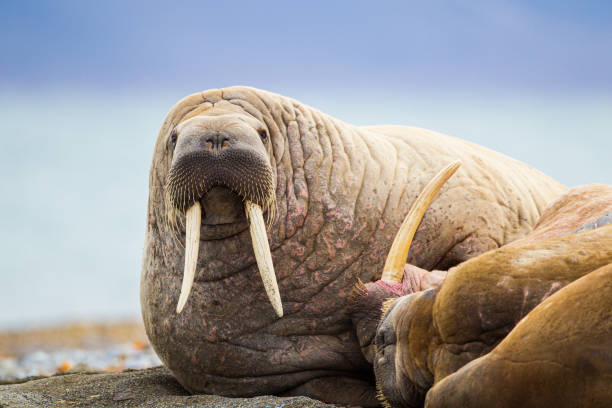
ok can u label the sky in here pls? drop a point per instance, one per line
(530, 45)
(84, 86)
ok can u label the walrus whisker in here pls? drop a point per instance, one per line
(170, 218)
(394, 265)
(171, 223)
(176, 231)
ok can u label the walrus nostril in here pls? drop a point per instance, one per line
(217, 142)
(224, 142)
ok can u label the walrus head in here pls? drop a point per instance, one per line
(220, 177)
(400, 361)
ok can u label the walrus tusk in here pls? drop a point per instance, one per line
(394, 266)
(261, 248)
(193, 219)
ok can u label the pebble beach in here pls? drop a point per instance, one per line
(75, 347)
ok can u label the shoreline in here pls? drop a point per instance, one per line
(82, 335)
(77, 346)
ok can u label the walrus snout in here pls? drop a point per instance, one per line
(245, 172)
(226, 151)
(400, 381)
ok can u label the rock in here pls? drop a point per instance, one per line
(153, 387)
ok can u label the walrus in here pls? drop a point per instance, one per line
(559, 355)
(261, 207)
(461, 315)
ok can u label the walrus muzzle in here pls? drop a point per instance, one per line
(249, 176)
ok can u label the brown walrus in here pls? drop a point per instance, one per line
(429, 335)
(559, 355)
(330, 196)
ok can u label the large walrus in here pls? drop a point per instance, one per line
(333, 195)
(425, 338)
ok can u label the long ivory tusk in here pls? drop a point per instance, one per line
(394, 266)
(261, 248)
(192, 244)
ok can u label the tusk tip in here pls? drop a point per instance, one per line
(180, 306)
(182, 301)
(279, 310)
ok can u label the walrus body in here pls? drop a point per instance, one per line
(337, 196)
(426, 336)
(559, 355)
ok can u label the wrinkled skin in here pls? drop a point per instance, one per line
(559, 355)
(340, 193)
(428, 335)
(582, 208)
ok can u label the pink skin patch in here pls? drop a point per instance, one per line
(415, 279)
(367, 300)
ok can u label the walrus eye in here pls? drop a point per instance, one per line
(173, 138)
(263, 134)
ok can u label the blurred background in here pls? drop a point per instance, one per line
(84, 86)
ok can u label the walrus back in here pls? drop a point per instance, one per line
(520, 188)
